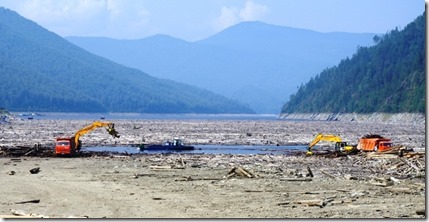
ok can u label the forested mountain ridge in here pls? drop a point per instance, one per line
(388, 77)
(40, 71)
(253, 62)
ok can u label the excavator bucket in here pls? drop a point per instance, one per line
(112, 131)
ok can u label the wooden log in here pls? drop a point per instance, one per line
(283, 203)
(160, 167)
(309, 172)
(258, 191)
(410, 164)
(230, 175)
(296, 179)
(137, 175)
(311, 203)
(189, 178)
(28, 201)
(421, 212)
(231, 171)
(181, 160)
(244, 172)
(29, 152)
(395, 180)
(22, 214)
(327, 174)
(401, 190)
(384, 184)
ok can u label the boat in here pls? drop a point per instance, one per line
(176, 145)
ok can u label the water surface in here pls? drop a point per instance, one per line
(206, 149)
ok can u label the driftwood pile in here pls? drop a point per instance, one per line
(36, 150)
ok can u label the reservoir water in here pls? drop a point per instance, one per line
(199, 149)
(207, 149)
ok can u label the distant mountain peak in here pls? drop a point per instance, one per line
(41, 71)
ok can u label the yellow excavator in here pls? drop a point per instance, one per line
(340, 146)
(70, 145)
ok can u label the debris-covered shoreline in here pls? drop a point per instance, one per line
(28, 133)
(117, 185)
(214, 186)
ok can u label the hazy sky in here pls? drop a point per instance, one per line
(196, 19)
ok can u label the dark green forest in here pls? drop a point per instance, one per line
(40, 71)
(387, 77)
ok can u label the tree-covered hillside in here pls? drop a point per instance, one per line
(40, 71)
(388, 77)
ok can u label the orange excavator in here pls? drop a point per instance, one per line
(72, 145)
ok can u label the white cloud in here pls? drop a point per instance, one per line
(228, 17)
(232, 15)
(252, 11)
(113, 18)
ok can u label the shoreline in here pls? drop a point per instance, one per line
(349, 117)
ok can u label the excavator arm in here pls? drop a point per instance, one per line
(320, 137)
(110, 129)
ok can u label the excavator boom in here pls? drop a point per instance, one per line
(320, 137)
(93, 126)
(69, 145)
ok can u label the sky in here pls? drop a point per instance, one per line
(193, 20)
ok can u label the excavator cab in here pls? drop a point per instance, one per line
(340, 146)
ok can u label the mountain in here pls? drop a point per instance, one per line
(40, 71)
(388, 77)
(253, 62)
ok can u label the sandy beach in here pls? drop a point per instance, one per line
(213, 186)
